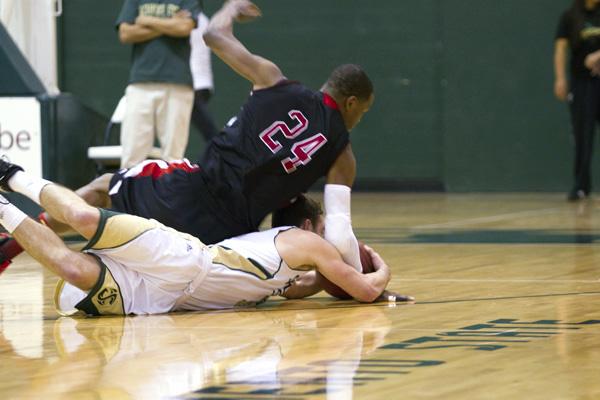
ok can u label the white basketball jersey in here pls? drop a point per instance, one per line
(245, 271)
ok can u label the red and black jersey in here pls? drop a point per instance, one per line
(284, 138)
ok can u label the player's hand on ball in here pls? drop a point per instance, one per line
(376, 259)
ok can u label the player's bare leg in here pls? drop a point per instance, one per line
(69, 209)
(81, 270)
(94, 193)
(65, 207)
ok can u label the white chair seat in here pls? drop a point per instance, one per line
(111, 155)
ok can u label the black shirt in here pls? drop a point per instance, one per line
(283, 139)
(588, 38)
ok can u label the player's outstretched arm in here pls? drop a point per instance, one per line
(219, 37)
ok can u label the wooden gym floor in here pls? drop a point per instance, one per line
(508, 307)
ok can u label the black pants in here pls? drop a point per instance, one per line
(585, 114)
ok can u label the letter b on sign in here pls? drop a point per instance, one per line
(9, 140)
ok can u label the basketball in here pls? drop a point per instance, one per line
(367, 264)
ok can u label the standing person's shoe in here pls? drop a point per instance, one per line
(7, 170)
(576, 194)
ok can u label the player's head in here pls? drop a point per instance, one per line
(303, 212)
(352, 89)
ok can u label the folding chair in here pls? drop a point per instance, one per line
(108, 157)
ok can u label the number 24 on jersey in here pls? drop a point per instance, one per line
(303, 150)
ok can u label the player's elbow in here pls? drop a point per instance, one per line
(292, 294)
(212, 37)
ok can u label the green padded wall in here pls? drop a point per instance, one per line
(92, 62)
(503, 129)
(463, 87)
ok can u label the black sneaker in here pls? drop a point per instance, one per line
(7, 170)
(576, 194)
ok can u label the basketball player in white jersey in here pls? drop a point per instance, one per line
(133, 265)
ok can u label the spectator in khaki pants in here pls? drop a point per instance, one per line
(160, 94)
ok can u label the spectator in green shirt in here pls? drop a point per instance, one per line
(160, 94)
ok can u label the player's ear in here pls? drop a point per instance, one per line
(306, 225)
(350, 103)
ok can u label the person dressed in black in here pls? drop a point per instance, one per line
(201, 67)
(579, 33)
(284, 138)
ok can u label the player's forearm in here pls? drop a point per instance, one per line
(174, 26)
(338, 224)
(129, 33)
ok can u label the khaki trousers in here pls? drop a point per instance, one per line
(159, 110)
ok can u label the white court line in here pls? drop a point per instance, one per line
(498, 333)
(482, 220)
(501, 280)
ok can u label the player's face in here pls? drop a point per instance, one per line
(355, 109)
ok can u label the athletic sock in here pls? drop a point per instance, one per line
(10, 216)
(28, 185)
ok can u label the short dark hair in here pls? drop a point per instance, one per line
(296, 212)
(350, 80)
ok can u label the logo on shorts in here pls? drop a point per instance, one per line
(107, 296)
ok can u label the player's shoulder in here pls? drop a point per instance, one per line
(308, 241)
(285, 86)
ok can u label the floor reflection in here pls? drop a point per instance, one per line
(190, 355)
